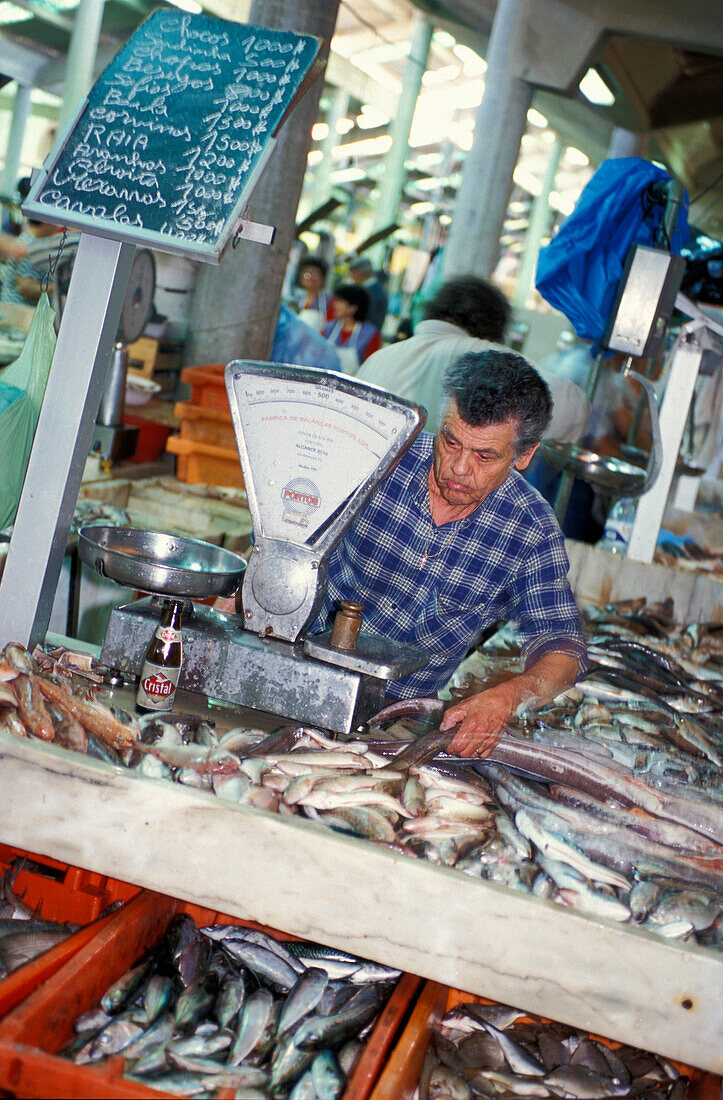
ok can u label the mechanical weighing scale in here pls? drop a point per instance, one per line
(313, 446)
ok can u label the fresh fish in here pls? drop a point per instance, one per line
(584, 1084)
(114, 1038)
(230, 1001)
(152, 1000)
(326, 1076)
(256, 1029)
(120, 992)
(303, 998)
(195, 1002)
(268, 965)
(556, 848)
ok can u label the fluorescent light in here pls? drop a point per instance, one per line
(548, 137)
(461, 136)
(371, 117)
(444, 219)
(577, 157)
(428, 160)
(347, 175)
(319, 131)
(561, 202)
(527, 181)
(420, 208)
(187, 5)
(444, 39)
(314, 157)
(344, 125)
(441, 75)
(474, 65)
(595, 90)
(367, 147)
(428, 183)
(535, 118)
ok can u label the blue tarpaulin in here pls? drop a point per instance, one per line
(579, 271)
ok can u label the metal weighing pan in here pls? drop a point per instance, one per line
(161, 564)
(612, 475)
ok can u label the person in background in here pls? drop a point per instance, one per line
(465, 315)
(353, 336)
(23, 271)
(362, 274)
(314, 302)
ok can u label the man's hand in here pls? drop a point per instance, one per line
(483, 717)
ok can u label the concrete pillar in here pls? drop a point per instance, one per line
(394, 175)
(321, 188)
(81, 57)
(235, 305)
(484, 192)
(539, 224)
(627, 143)
(21, 112)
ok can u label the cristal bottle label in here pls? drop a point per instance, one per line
(157, 686)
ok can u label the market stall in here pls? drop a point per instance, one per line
(199, 808)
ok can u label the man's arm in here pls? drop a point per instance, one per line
(484, 716)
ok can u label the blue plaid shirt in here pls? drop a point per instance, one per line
(505, 561)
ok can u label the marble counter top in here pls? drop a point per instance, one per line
(436, 922)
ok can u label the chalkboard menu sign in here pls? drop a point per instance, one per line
(167, 147)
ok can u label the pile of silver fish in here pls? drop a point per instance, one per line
(23, 936)
(491, 1051)
(607, 800)
(231, 1007)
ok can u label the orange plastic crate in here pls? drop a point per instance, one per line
(205, 425)
(208, 389)
(69, 895)
(399, 1079)
(203, 462)
(32, 1035)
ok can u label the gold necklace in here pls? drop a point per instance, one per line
(426, 556)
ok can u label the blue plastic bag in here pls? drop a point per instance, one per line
(297, 343)
(579, 271)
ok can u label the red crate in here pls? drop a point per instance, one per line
(55, 891)
(32, 1035)
(399, 1079)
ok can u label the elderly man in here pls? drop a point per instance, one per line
(465, 315)
(454, 540)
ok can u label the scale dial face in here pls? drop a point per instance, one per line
(138, 301)
(309, 447)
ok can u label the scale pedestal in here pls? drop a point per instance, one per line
(298, 681)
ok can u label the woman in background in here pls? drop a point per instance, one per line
(354, 338)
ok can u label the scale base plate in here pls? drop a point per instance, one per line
(223, 661)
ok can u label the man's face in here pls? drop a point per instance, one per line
(359, 276)
(470, 463)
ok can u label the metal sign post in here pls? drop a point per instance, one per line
(693, 342)
(63, 437)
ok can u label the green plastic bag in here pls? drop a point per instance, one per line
(18, 420)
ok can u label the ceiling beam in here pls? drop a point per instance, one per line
(19, 63)
(45, 14)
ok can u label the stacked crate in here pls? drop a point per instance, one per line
(206, 445)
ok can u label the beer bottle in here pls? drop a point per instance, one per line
(162, 664)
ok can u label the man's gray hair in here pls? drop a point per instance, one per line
(490, 387)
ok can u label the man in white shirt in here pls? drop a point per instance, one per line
(465, 315)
